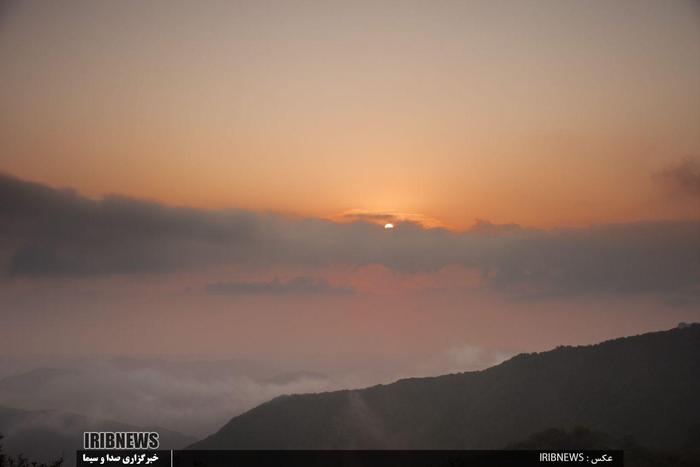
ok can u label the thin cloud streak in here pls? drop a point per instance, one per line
(296, 286)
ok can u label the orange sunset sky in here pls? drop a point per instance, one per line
(546, 113)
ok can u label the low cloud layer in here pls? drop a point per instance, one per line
(58, 233)
(192, 397)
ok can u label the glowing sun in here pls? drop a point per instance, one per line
(388, 226)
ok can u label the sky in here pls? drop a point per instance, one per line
(543, 113)
(212, 179)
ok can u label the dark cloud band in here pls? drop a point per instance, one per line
(55, 233)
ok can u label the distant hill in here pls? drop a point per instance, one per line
(32, 380)
(46, 435)
(644, 388)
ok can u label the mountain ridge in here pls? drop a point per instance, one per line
(613, 386)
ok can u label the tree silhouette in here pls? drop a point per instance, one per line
(21, 461)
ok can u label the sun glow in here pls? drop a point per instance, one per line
(388, 226)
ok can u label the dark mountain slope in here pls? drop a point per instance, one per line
(635, 455)
(646, 387)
